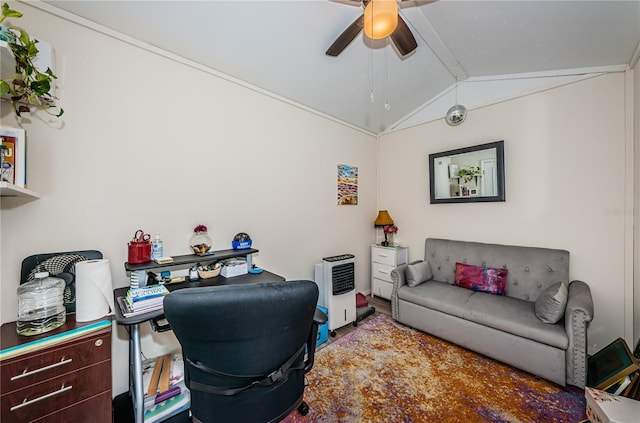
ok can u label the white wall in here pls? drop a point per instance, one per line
(636, 210)
(147, 142)
(565, 179)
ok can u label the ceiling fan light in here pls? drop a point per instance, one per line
(380, 18)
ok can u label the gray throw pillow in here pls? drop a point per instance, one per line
(418, 272)
(551, 303)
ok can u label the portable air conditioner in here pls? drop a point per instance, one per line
(336, 281)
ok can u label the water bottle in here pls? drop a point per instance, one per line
(157, 248)
(40, 305)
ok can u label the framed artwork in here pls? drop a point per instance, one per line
(610, 364)
(347, 185)
(480, 166)
(14, 156)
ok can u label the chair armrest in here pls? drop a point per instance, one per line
(319, 318)
(398, 278)
(578, 314)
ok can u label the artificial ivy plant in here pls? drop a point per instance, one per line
(469, 172)
(28, 87)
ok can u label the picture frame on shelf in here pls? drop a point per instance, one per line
(610, 364)
(15, 138)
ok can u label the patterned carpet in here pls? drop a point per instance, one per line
(387, 372)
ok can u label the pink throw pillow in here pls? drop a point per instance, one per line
(481, 278)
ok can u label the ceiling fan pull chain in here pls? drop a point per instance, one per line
(387, 106)
(372, 96)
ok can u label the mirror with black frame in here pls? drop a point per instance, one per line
(467, 175)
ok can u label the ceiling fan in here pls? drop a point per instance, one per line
(401, 36)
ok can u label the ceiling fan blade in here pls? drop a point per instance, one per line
(403, 38)
(346, 37)
(349, 2)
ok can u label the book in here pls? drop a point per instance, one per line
(128, 311)
(620, 386)
(7, 173)
(145, 304)
(633, 390)
(19, 139)
(146, 292)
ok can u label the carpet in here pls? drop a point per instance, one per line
(387, 372)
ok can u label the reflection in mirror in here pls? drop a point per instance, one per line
(470, 174)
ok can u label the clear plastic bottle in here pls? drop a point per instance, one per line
(41, 305)
(157, 247)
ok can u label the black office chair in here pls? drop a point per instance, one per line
(244, 348)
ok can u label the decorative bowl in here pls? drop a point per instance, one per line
(206, 274)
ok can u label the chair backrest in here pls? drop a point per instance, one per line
(245, 330)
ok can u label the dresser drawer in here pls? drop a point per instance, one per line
(383, 256)
(23, 371)
(55, 394)
(382, 271)
(96, 409)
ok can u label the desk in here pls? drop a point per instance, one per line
(135, 354)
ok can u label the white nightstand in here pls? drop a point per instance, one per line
(383, 261)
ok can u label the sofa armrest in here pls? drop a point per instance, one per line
(578, 314)
(398, 278)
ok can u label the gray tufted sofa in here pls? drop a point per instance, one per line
(502, 327)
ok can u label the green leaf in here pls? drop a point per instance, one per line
(40, 87)
(9, 13)
(4, 88)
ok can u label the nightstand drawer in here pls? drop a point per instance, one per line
(24, 371)
(55, 394)
(384, 256)
(381, 288)
(382, 271)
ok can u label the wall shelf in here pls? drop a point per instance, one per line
(10, 190)
(7, 62)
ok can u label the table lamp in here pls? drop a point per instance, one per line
(382, 220)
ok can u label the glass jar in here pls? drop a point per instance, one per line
(40, 305)
(200, 243)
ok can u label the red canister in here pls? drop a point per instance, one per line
(139, 252)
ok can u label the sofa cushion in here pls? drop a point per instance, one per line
(507, 314)
(481, 278)
(551, 303)
(417, 273)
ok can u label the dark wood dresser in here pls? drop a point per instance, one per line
(66, 380)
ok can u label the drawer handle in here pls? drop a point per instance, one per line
(42, 369)
(49, 395)
(383, 272)
(383, 255)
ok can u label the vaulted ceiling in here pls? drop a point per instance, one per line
(279, 46)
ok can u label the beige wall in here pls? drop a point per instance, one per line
(636, 210)
(565, 180)
(150, 143)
